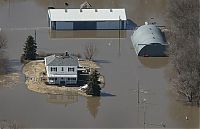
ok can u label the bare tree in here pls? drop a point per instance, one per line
(3, 41)
(90, 51)
(78, 55)
(3, 59)
(7, 124)
(184, 47)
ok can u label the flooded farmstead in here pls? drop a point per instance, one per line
(119, 105)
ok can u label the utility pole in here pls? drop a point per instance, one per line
(162, 124)
(144, 101)
(138, 92)
(9, 6)
(119, 34)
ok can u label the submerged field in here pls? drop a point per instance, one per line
(123, 71)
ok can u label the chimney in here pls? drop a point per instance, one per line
(66, 5)
(66, 53)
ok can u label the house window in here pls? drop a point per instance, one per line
(71, 79)
(53, 69)
(62, 69)
(70, 69)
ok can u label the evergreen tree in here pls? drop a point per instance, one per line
(30, 49)
(94, 88)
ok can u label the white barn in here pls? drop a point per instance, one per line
(87, 19)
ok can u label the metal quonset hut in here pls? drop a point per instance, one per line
(87, 19)
(148, 40)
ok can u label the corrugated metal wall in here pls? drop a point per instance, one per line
(88, 25)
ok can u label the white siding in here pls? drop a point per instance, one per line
(60, 72)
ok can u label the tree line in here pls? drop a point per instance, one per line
(183, 50)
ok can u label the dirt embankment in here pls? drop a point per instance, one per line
(34, 73)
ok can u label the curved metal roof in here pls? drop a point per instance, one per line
(146, 35)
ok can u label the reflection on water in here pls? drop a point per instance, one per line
(66, 99)
(93, 104)
(154, 62)
(56, 34)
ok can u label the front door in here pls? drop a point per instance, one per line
(62, 81)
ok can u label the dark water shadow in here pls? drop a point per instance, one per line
(61, 34)
(104, 94)
(130, 25)
(102, 61)
(14, 66)
(154, 62)
(10, 66)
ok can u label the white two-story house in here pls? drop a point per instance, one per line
(61, 70)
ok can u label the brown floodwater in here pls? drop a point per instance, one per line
(118, 107)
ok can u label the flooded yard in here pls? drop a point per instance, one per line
(123, 70)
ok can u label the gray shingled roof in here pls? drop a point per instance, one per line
(61, 60)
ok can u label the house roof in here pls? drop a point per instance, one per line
(54, 60)
(87, 14)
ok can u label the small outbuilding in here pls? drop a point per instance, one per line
(149, 40)
(87, 19)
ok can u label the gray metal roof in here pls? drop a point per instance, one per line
(146, 35)
(54, 60)
(87, 14)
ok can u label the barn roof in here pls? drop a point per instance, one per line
(86, 14)
(145, 35)
(148, 34)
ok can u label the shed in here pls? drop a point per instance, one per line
(87, 19)
(149, 40)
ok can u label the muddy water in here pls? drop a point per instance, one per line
(122, 69)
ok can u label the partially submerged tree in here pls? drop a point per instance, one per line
(8, 124)
(3, 58)
(94, 88)
(184, 48)
(90, 51)
(3, 41)
(30, 49)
